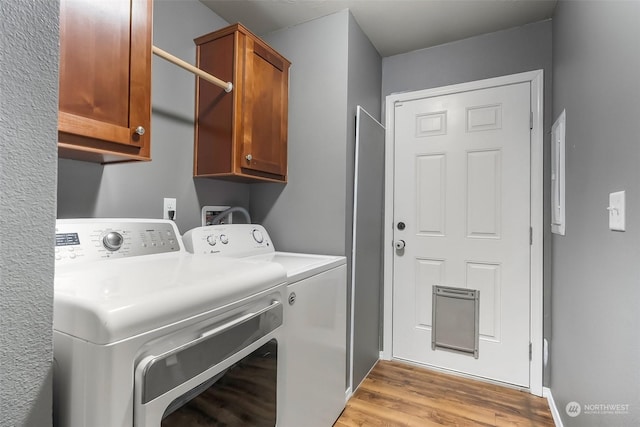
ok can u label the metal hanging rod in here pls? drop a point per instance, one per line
(227, 86)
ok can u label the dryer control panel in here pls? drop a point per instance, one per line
(89, 239)
(228, 240)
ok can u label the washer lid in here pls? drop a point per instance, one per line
(107, 301)
(300, 266)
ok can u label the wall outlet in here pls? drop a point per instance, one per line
(169, 209)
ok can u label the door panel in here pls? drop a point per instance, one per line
(483, 194)
(428, 272)
(462, 187)
(431, 180)
(486, 278)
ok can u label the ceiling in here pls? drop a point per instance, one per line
(393, 26)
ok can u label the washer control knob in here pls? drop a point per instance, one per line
(292, 298)
(257, 235)
(224, 239)
(112, 241)
(211, 240)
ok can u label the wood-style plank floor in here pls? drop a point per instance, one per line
(398, 394)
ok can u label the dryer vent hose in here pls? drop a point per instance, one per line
(216, 219)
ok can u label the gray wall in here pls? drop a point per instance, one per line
(596, 272)
(363, 88)
(334, 68)
(308, 214)
(364, 84)
(138, 189)
(28, 125)
(496, 54)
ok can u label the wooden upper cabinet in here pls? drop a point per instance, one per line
(104, 112)
(241, 135)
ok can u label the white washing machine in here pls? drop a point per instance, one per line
(146, 334)
(315, 321)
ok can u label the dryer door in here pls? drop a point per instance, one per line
(228, 376)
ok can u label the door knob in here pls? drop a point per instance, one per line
(399, 245)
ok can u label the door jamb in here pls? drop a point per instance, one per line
(536, 78)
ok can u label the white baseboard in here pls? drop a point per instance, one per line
(347, 395)
(546, 392)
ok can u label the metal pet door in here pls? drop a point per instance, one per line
(456, 320)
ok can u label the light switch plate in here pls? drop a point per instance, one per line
(617, 211)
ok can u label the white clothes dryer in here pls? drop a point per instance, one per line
(146, 334)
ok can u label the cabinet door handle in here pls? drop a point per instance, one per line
(249, 157)
(140, 130)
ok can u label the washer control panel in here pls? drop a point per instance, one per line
(89, 239)
(228, 240)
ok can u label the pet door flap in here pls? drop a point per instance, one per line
(456, 320)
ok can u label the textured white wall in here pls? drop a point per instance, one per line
(28, 135)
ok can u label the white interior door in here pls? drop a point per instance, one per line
(462, 189)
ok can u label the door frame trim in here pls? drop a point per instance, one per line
(536, 78)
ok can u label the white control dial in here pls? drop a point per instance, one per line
(257, 236)
(224, 239)
(112, 241)
(211, 239)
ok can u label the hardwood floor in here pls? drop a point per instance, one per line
(398, 394)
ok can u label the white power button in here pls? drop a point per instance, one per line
(257, 236)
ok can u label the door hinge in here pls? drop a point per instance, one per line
(398, 104)
(531, 120)
(530, 236)
(530, 351)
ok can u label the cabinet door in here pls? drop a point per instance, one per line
(105, 75)
(264, 147)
